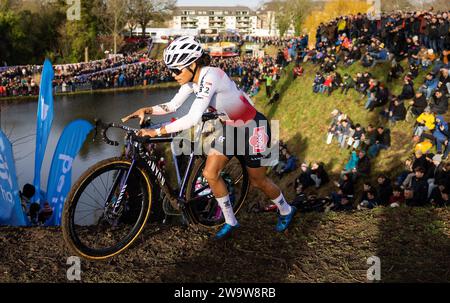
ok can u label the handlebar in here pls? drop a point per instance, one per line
(133, 131)
(105, 126)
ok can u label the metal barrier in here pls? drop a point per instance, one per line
(57, 89)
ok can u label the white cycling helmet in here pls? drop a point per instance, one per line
(182, 52)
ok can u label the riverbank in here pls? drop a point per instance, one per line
(164, 85)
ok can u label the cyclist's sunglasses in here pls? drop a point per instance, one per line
(176, 71)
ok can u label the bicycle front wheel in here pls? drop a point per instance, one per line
(107, 209)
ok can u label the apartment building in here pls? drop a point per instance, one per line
(222, 18)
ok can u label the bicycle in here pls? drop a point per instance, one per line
(124, 190)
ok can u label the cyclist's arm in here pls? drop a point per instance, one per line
(170, 107)
(201, 103)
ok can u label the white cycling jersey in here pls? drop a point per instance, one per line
(215, 91)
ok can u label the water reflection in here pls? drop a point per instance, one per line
(18, 121)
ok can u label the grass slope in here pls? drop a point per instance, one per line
(304, 117)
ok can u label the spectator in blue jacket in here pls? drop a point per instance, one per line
(430, 85)
(442, 135)
(352, 162)
(291, 165)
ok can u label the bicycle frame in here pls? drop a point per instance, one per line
(140, 153)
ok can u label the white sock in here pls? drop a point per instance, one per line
(227, 210)
(283, 206)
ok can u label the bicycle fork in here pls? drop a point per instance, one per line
(122, 181)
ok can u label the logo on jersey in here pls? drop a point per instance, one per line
(259, 139)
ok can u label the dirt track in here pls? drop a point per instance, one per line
(413, 245)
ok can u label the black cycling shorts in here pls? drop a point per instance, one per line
(251, 142)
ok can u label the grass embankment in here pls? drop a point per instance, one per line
(304, 118)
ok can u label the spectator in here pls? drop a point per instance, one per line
(384, 190)
(372, 92)
(429, 86)
(419, 187)
(355, 139)
(423, 144)
(269, 80)
(318, 174)
(343, 132)
(407, 170)
(396, 111)
(397, 198)
(363, 167)
(444, 81)
(298, 71)
(417, 106)
(407, 90)
(343, 197)
(352, 162)
(413, 71)
(318, 81)
(439, 103)
(362, 83)
(291, 165)
(427, 58)
(440, 196)
(336, 117)
(441, 135)
(426, 121)
(347, 84)
(304, 180)
(383, 141)
(371, 201)
(326, 85)
(396, 71)
(366, 187)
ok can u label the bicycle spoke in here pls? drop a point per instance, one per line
(95, 200)
(101, 179)
(80, 219)
(96, 189)
(83, 211)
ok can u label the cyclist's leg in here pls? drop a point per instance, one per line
(215, 163)
(259, 180)
(257, 171)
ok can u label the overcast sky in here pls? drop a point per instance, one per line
(250, 3)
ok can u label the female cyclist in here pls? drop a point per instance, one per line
(214, 90)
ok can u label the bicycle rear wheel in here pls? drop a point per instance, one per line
(106, 211)
(202, 206)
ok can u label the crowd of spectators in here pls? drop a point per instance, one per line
(421, 40)
(137, 69)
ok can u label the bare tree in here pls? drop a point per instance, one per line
(113, 16)
(282, 16)
(299, 10)
(144, 11)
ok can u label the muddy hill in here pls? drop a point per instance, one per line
(413, 246)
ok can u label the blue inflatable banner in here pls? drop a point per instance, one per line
(44, 122)
(59, 178)
(11, 212)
